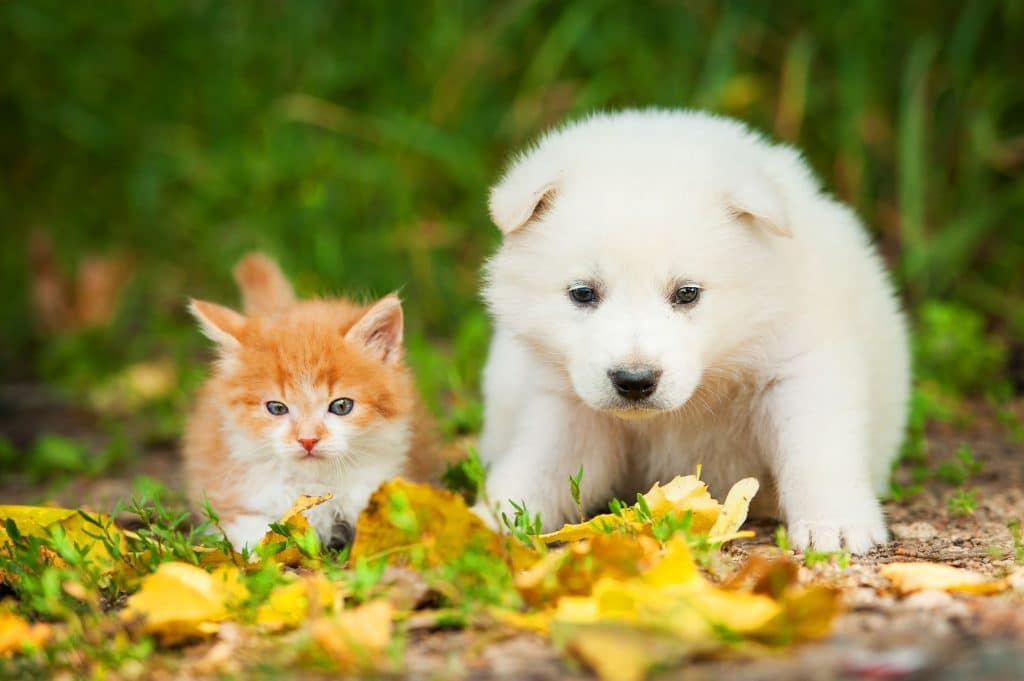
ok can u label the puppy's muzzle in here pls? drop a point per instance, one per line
(635, 384)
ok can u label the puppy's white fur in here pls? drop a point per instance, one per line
(791, 367)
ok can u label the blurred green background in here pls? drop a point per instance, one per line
(146, 146)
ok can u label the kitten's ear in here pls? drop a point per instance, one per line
(380, 330)
(220, 324)
(264, 287)
(753, 199)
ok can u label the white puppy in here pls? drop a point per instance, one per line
(673, 290)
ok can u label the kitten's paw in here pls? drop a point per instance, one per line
(855, 535)
(245, 532)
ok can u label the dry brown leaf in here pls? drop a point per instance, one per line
(16, 634)
(181, 601)
(911, 577)
(764, 574)
(89, 299)
(356, 637)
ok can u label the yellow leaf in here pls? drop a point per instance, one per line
(620, 653)
(32, 521)
(674, 598)
(291, 604)
(910, 577)
(181, 601)
(135, 386)
(675, 567)
(572, 569)
(684, 494)
(297, 524)
(538, 622)
(42, 521)
(404, 518)
(806, 614)
(16, 634)
(356, 637)
(734, 510)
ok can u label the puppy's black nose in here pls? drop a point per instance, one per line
(635, 384)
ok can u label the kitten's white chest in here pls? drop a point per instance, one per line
(273, 490)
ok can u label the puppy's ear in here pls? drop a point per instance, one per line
(525, 193)
(220, 324)
(753, 199)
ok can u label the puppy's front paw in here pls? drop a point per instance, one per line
(855, 535)
(486, 514)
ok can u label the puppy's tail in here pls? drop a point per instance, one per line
(264, 286)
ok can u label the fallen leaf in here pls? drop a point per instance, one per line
(684, 494)
(911, 577)
(297, 524)
(181, 601)
(356, 637)
(672, 596)
(293, 603)
(64, 303)
(79, 529)
(663, 598)
(16, 634)
(764, 574)
(404, 519)
(135, 386)
(572, 570)
(734, 510)
(620, 653)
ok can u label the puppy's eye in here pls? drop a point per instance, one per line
(583, 295)
(686, 295)
(341, 406)
(277, 408)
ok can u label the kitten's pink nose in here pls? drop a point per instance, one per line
(308, 443)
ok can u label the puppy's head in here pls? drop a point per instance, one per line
(640, 255)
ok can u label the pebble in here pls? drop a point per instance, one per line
(917, 530)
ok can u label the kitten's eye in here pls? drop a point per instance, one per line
(341, 406)
(583, 295)
(277, 408)
(686, 295)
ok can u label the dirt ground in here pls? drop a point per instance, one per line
(879, 635)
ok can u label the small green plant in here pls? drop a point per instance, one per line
(953, 348)
(1017, 536)
(574, 490)
(963, 467)
(782, 538)
(840, 559)
(617, 506)
(811, 556)
(467, 477)
(962, 502)
(523, 525)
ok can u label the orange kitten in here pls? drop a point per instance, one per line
(307, 397)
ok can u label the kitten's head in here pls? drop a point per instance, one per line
(317, 382)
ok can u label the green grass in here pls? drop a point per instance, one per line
(356, 143)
